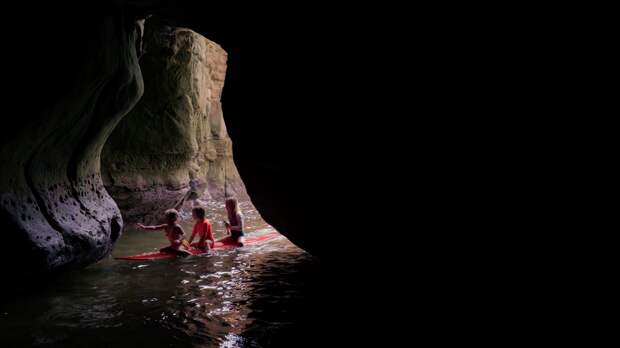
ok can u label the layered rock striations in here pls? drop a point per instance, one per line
(176, 132)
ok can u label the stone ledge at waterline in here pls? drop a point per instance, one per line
(176, 132)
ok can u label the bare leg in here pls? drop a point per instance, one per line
(180, 251)
(205, 246)
(226, 240)
(167, 249)
(231, 240)
(183, 252)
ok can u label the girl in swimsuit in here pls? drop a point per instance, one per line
(234, 225)
(174, 233)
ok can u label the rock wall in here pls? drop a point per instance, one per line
(72, 74)
(176, 132)
(68, 96)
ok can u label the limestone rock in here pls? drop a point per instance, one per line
(54, 210)
(176, 132)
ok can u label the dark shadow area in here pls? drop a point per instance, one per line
(294, 103)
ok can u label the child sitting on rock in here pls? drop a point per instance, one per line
(174, 233)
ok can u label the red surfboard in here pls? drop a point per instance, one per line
(157, 255)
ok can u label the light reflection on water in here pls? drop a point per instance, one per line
(234, 298)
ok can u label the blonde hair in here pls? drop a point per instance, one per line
(232, 200)
(232, 216)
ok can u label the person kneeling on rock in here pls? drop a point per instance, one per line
(174, 233)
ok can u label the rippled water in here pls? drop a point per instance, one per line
(257, 296)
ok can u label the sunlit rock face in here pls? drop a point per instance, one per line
(54, 210)
(176, 132)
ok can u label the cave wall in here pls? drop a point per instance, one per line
(176, 132)
(72, 73)
(54, 210)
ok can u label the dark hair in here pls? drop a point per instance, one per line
(171, 214)
(199, 211)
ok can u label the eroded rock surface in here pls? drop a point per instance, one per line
(54, 210)
(72, 73)
(176, 132)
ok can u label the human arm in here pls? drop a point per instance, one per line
(178, 236)
(151, 228)
(194, 231)
(239, 225)
(210, 235)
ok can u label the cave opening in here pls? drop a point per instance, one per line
(117, 141)
(172, 149)
(78, 162)
(111, 128)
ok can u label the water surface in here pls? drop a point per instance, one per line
(257, 296)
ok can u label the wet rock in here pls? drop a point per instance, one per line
(71, 87)
(54, 210)
(176, 132)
